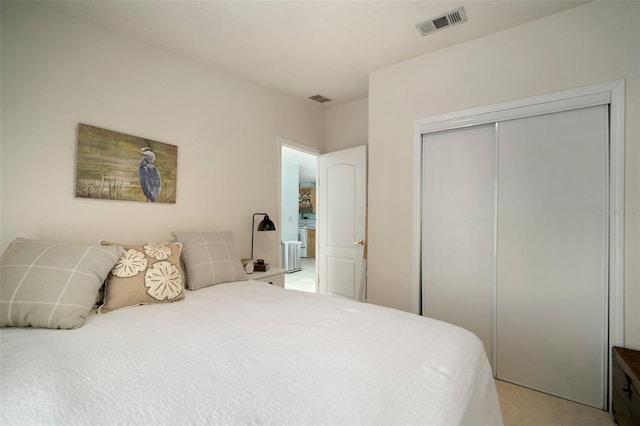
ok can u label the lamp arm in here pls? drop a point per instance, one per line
(253, 229)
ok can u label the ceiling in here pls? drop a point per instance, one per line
(303, 48)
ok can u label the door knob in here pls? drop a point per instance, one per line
(360, 242)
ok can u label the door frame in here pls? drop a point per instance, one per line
(285, 142)
(611, 93)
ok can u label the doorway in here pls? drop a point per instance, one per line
(299, 169)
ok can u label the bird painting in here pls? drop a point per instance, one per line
(106, 163)
(149, 175)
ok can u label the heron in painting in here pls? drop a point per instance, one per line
(149, 175)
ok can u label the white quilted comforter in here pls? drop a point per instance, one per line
(248, 353)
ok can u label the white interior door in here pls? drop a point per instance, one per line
(458, 232)
(341, 229)
(552, 253)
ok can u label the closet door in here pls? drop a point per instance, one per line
(552, 250)
(458, 229)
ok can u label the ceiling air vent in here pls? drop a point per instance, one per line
(454, 17)
(319, 98)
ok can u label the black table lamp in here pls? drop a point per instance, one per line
(265, 225)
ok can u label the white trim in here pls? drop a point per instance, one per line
(616, 216)
(494, 289)
(284, 142)
(297, 146)
(612, 93)
(616, 222)
(606, 349)
(416, 257)
(528, 107)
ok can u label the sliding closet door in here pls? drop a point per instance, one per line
(552, 251)
(458, 229)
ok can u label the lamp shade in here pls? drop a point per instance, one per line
(266, 224)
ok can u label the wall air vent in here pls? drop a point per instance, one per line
(319, 98)
(454, 17)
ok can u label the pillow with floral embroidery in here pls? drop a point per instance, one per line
(144, 274)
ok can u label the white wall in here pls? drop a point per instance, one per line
(593, 43)
(347, 125)
(57, 72)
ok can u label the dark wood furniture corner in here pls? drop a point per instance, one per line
(626, 383)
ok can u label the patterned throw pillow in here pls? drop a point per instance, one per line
(144, 274)
(51, 285)
(210, 258)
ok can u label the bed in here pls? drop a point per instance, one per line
(247, 352)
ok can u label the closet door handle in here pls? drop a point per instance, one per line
(359, 242)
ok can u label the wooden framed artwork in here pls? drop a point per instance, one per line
(116, 166)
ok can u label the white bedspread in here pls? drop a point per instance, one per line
(248, 353)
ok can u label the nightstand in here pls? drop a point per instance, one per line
(626, 383)
(273, 276)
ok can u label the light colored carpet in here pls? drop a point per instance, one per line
(525, 407)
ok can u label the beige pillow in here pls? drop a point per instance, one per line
(51, 285)
(144, 274)
(210, 258)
